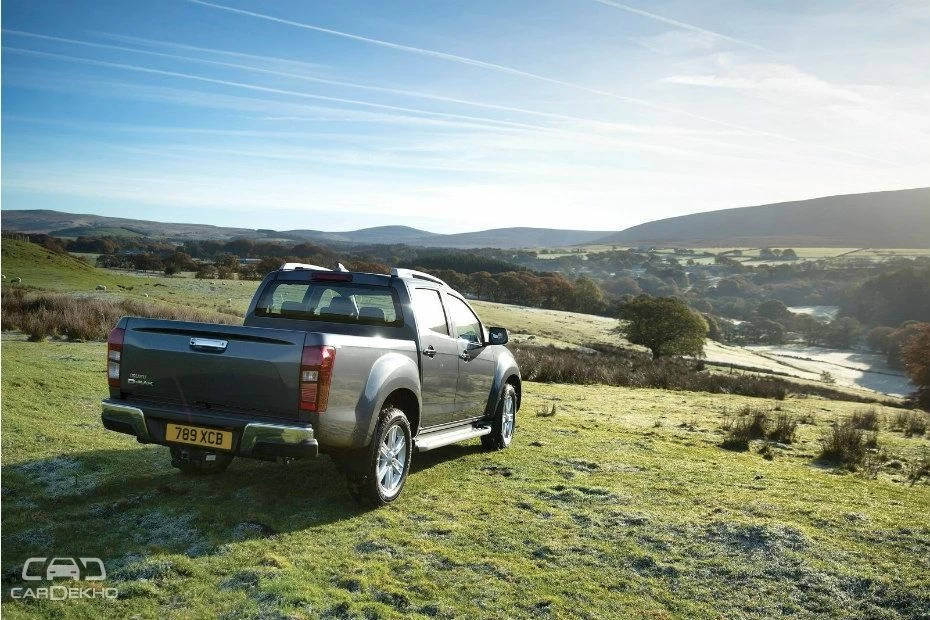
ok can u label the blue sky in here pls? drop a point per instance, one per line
(455, 116)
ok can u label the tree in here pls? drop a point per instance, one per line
(773, 310)
(588, 296)
(897, 339)
(916, 356)
(179, 261)
(735, 286)
(622, 285)
(891, 298)
(656, 286)
(879, 338)
(764, 331)
(266, 265)
(713, 328)
(482, 284)
(664, 325)
(843, 332)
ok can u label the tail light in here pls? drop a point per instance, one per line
(114, 355)
(316, 373)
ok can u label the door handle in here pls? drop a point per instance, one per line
(209, 344)
(429, 351)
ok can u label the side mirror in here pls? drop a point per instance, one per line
(497, 335)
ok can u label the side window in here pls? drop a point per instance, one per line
(428, 308)
(466, 323)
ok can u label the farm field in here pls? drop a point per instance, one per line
(621, 504)
(59, 273)
(750, 255)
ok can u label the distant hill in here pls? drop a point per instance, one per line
(896, 219)
(77, 224)
(63, 224)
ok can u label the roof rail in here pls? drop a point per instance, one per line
(296, 266)
(412, 273)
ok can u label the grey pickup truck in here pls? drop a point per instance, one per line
(367, 368)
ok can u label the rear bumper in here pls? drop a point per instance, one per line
(250, 439)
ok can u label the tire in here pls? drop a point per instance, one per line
(378, 473)
(504, 422)
(199, 462)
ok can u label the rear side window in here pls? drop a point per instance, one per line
(429, 312)
(331, 302)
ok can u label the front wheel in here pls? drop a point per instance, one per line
(504, 421)
(380, 475)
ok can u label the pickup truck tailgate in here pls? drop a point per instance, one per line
(205, 366)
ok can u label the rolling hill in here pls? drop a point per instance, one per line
(63, 224)
(894, 219)
(897, 219)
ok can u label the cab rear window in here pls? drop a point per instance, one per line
(330, 301)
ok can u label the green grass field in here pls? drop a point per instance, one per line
(622, 504)
(39, 268)
(595, 512)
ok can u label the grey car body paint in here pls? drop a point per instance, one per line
(254, 378)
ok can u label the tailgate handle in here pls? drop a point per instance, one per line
(209, 344)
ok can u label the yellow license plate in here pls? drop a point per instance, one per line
(197, 436)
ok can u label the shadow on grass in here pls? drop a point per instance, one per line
(129, 503)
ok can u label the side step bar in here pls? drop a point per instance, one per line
(444, 438)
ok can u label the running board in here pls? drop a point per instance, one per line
(444, 438)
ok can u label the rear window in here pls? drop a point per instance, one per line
(331, 302)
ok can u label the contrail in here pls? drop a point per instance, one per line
(678, 24)
(266, 89)
(496, 124)
(534, 76)
(479, 63)
(309, 78)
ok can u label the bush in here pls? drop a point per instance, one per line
(920, 468)
(86, 318)
(910, 423)
(785, 429)
(846, 445)
(916, 425)
(546, 411)
(865, 419)
(751, 424)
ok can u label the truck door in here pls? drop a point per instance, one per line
(476, 363)
(438, 358)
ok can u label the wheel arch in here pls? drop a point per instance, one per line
(405, 400)
(517, 383)
(505, 372)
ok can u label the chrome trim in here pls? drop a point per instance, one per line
(280, 434)
(126, 414)
(213, 344)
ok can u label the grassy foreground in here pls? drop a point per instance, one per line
(620, 505)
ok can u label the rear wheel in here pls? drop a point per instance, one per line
(377, 476)
(504, 421)
(199, 462)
